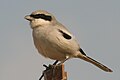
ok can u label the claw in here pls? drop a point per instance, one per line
(48, 67)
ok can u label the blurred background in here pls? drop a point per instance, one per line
(95, 23)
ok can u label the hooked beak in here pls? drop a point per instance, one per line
(28, 18)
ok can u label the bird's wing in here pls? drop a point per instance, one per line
(61, 38)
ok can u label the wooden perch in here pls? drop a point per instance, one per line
(56, 72)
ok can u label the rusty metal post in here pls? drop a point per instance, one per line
(56, 72)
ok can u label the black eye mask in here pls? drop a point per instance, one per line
(42, 16)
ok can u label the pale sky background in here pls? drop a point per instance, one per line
(95, 23)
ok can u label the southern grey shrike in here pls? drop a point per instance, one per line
(54, 41)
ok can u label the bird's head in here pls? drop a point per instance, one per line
(40, 18)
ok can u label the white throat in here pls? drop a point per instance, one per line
(39, 22)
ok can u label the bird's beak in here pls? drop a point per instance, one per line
(28, 18)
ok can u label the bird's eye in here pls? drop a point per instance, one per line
(42, 16)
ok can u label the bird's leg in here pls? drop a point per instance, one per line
(55, 62)
(64, 60)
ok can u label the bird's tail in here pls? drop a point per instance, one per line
(101, 66)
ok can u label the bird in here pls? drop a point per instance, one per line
(53, 40)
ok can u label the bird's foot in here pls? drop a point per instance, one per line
(49, 67)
